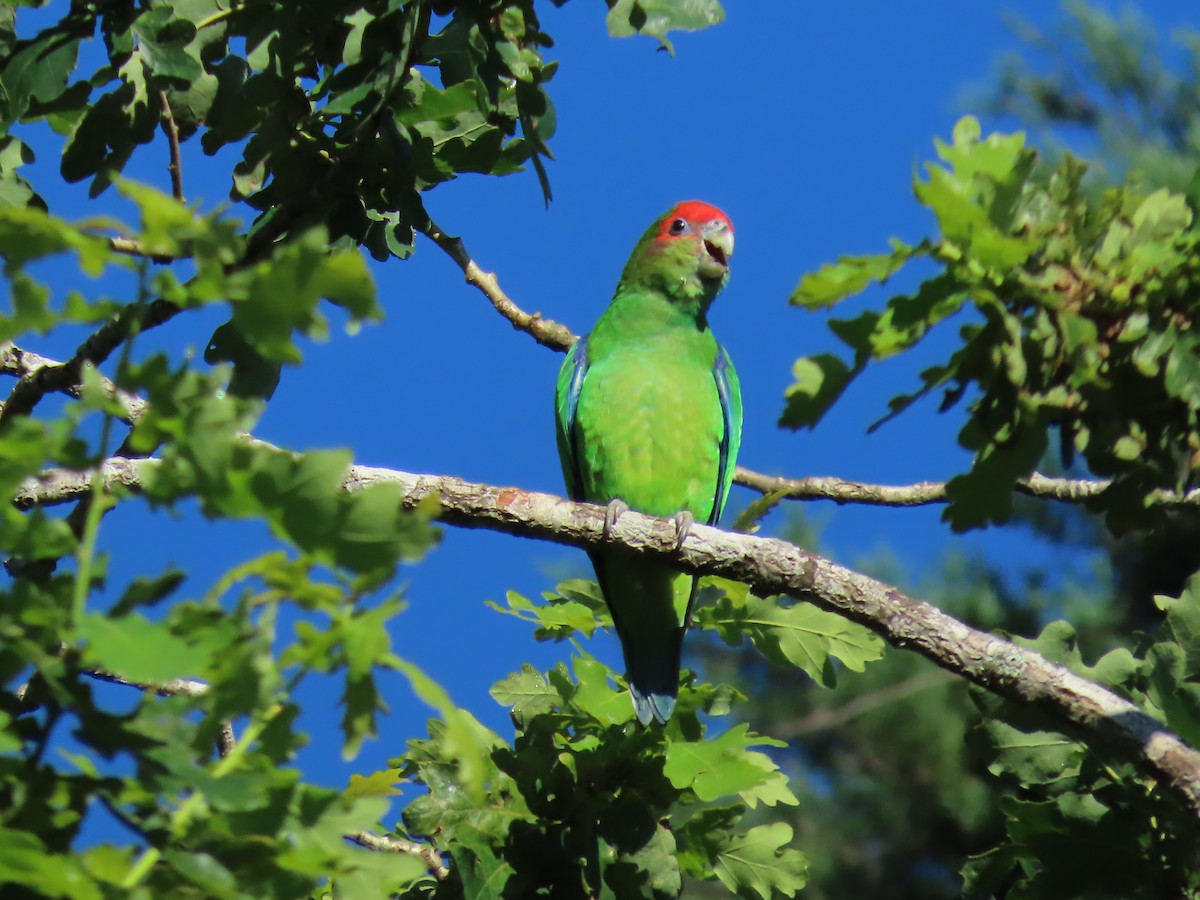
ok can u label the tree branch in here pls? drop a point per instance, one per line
(925, 493)
(425, 853)
(171, 130)
(769, 566)
(546, 332)
(65, 377)
(57, 486)
(24, 363)
(21, 363)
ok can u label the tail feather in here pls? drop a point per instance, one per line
(649, 604)
(653, 684)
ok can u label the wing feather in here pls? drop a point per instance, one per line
(729, 394)
(566, 407)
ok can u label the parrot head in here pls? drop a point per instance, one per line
(683, 255)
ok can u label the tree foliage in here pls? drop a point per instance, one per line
(343, 115)
(1130, 92)
(1083, 328)
(1075, 318)
(1136, 112)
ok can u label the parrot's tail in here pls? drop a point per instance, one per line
(653, 684)
(650, 603)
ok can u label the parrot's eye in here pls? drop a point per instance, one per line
(679, 226)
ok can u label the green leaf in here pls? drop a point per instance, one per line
(366, 644)
(147, 591)
(797, 634)
(103, 140)
(462, 738)
(1183, 623)
(279, 297)
(301, 498)
(650, 871)
(139, 650)
(38, 70)
(526, 693)
(485, 873)
(726, 766)
(819, 382)
(850, 275)
(170, 227)
(760, 863)
(28, 233)
(203, 871)
(749, 520)
(985, 494)
(1036, 757)
(163, 43)
(595, 694)
(25, 861)
(254, 376)
(1161, 215)
(988, 873)
(377, 784)
(658, 17)
(576, 606)
(14, 190)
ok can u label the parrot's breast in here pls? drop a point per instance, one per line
(652, 426)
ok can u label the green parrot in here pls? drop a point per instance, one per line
(649, 416)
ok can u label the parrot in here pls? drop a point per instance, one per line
(648, 411)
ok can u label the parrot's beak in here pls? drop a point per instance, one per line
(718, 247)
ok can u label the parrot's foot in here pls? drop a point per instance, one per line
(616, 508)
(683, 525)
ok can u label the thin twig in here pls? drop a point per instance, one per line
(770, 567)
(226, 739)
(130, 247)
(171, 130)
(546, 332)
(176, 687)
(829, 718)
(433, 861)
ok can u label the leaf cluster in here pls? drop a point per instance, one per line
(586, 803)
(342, 115)
(1076, 324)
(192, 821)
(1080, 822)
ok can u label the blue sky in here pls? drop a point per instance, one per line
(804, 121)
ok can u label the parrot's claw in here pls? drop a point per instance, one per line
(616, 508)
(683, 525)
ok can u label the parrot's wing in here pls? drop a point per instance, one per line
(566, 405)
(729, 393)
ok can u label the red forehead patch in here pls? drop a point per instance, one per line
(696, 212)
